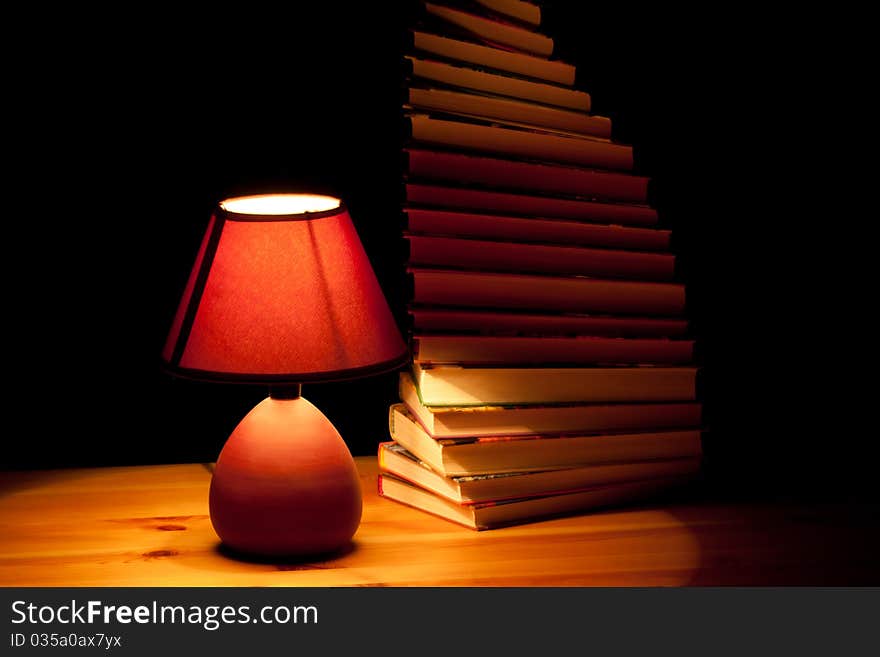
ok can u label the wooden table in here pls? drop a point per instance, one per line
(149, 526)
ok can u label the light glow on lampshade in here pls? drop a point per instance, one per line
(280, 204)
(282, 291)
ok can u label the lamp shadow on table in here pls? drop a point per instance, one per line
(282, 563)
(754, 540)
(748, 539)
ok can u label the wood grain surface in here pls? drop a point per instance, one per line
(149, 526)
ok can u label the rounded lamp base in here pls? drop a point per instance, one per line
(285, 483)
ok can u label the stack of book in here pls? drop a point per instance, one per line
(551, 370)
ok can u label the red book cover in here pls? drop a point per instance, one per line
(523, 204)
(518, 142)
(461, 320)
(555, 293)
(535, 229)
(467, 253)
(498, 350)
(526, 176)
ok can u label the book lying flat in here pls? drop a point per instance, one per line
(501, 350)
(501, 85)
(486, 455)
(553, 293)
(525, 176)
(466, 422)
(497, 514)
(471, 489)
(493, 31)
(448, 385)
(471, 253)
(462, 320)
(506, 61)
(534, 229)
(526, 12)
(520, 142)
(508, 109)
(463, 198)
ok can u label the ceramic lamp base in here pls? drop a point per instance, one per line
(285, 483)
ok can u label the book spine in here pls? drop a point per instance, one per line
(531, 206)
(534, 229)
(559, 294)
(502, 85)
(470, 350)
(466, 386)
(494, 31)
(524, 176)
(503, 109)
(521, 143)
(529, 66)
(517, 12)
(538, 258)
(457, 320)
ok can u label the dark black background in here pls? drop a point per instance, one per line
(130, 134)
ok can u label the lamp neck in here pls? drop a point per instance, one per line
(285, 391)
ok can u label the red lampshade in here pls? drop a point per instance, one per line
(282, 291)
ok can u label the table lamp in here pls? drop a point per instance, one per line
(282, 293)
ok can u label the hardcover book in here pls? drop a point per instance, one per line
(493, 59)
(484, 454)
(467, 77)
(492, 255)
(520, 142)
(516, 111)
(521, 176)
(527, 13)
(539, 230)
(497, 487)
(466, 320)
(450, 385)
(484, 421)
(573, 294)
(483, 200)
(493, 31)
(543, 350)
(487, 515)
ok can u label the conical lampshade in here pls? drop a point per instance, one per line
(282, 291)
